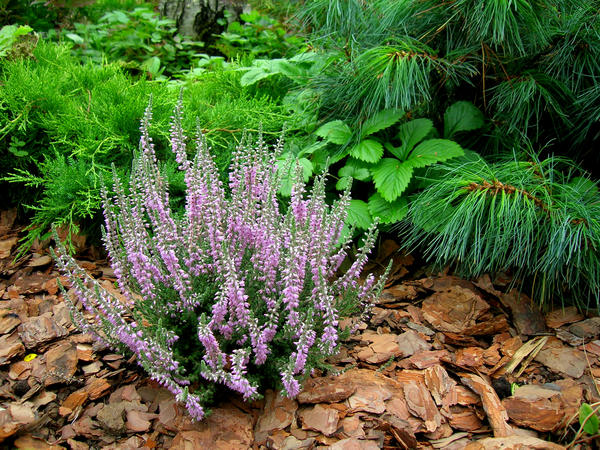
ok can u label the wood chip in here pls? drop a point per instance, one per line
(419, 402)
(496, 413)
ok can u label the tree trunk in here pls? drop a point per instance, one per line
(199, 19)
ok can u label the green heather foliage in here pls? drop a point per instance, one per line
(532, 66)
(60, 138)
(538, 218)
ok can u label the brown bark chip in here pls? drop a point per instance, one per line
(496, 413)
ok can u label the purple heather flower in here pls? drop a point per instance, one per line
(269, 272)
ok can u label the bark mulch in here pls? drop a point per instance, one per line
(442, 362)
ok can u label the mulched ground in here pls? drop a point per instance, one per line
(441, 363)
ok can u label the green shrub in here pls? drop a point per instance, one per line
(257, 36)
(531, 66)
(540, 219)
(140, 39)
(61, 117)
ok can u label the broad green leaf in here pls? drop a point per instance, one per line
(380, 121)
(152, 65)
(287, 68)
(391, 177)
(355, 169)
(433, 151)
(388, 212)
(462, 116)
(75, 38)
(368, 150)
(286, 163)
(343, 183)
(253, 75)
(411, 133)
(358, 214)
(309, 150)
(592, 424)
(22, 30)
(336, 132)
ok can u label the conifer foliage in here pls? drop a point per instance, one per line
(233, 292)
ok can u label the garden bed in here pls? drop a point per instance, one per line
(442, 362)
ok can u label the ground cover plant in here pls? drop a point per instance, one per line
(253, 282)
(59, 139)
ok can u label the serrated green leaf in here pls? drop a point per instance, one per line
(388, 212)
(355, 169)
(592, 425)
(75, 38)
(336, 132)
(410, 134)
(391, 177)
(358, 214)
(368, 150)
(22, 30)
(432, 151)
(462, 116)
(253, 75)
(380, 121)
(152, 65)
(287, 178)
(309, 150)
(343, 183)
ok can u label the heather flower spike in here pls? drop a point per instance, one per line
(230, 289)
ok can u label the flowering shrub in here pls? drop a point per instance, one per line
(232, 291)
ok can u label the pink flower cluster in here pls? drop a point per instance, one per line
(274, 268)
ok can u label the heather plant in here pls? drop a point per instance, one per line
(235, 291)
